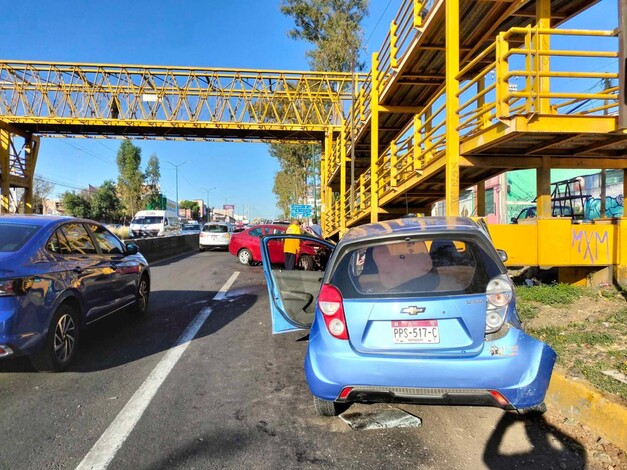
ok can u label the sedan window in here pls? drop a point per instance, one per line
(216, 228)
(15, 235)
(79, 240)
(108, 243)
(255, 232)
(58, 244)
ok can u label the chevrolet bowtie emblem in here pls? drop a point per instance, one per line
(413, 310)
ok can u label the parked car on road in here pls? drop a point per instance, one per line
(190, 227)
(58, 275)
(417, 310)
(531, 213)
(215, 235)
(245, 245)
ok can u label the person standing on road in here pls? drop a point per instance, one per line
(292, 245)
(317, 230)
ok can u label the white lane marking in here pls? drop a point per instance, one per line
(103, 451)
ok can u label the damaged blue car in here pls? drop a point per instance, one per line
(415, 311)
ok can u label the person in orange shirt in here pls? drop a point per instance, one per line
(292, 246)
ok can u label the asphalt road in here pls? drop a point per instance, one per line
(233, 397)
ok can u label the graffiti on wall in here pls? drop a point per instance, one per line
(613, 207)
(590, 244)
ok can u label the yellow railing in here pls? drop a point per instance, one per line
(546, 85)
(489, 97)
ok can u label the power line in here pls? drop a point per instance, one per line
(378, 21)
(88, 152)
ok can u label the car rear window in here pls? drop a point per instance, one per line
(215, 228)
(415, 267)
(15, 235)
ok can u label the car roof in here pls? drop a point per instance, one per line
(36, 219)
(410, 226)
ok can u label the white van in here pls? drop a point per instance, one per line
(155, 224)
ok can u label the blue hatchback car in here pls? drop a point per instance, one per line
(57, 275)
(416, 310)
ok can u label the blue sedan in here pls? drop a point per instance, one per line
(57, 275)
(416, 310)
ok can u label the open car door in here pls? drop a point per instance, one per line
(293, 292)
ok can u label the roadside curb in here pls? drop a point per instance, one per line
(579, 401)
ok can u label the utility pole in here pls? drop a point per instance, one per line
(177, 183)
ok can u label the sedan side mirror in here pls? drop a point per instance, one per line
(131, 249)
(502, 255)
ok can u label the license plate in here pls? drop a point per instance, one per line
(415, 331)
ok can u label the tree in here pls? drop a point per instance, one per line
(105, 203)
(130, 178)
(192, 206)
(42, 190)
(76, 205)
(333, 27)
(153, 176)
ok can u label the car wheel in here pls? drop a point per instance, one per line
(306, 263)
(533, 410)
(142, 296)
(245, 257)
(328, 407)
(61, 342)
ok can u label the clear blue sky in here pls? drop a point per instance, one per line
(217, 33)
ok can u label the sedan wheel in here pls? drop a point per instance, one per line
(306, 263)
(328, 407)
(143, 294)
(245, 257)
(61, 342)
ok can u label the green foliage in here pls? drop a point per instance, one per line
(593, 372)
(76, 205)
(287, 189)
(333, 27)
(192, 206)
(558, 294)
(526, 311)
(130, 178)
(153, 176)
(105, 203)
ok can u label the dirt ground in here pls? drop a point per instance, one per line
(591, 318)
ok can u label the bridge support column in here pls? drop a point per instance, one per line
(374, 141)
(452, 105)
(622, 64)
(5, 143)
(543, 189)
(343, 179)
(543, 21)
(481, 199)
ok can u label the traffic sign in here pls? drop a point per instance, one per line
(300, 210)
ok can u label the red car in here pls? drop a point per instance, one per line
(245, 245)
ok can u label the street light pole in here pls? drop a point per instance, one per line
(208, 191)
(177, 183)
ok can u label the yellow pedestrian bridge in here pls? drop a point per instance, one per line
(460, 91)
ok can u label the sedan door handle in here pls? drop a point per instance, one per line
(78, 269)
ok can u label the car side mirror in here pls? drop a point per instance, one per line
(131, 249)
(502, 255)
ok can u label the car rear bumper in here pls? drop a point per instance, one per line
(516, 366)
(213, 243)
(12, 342)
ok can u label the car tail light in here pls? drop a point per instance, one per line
(15, 286)
(345, 392)
(499, 294)
(500, 399)
(331, 305)
(5, 351)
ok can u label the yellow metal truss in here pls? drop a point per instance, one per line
(100, 100)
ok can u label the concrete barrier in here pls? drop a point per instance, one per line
(155, 249)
